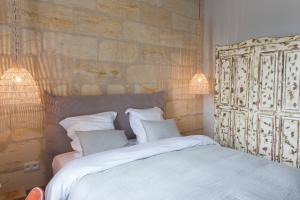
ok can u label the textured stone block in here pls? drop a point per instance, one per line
(156, 16)
(140, 33)
(46, 16)
(120, 8)
(61, 89)
(4, 136)
(192, 41)
(2, 12)
(89, 4)
(18, 153)
(186, 57)
(86, 83)
(88, 89)
(145, 88)
(142, 74)
(6, 46)
(19, 179)
(190, 123)
(70, 45)
(118, 51)
(186, 24)
(179, 89)
(198, 122)
(157, 3)
(115, 89)
(177, 108)
(53, 67)
(171, 38)
(195, 106)
(154, 55)
(189, 8)
(26, 134)
(31, 42)
(98, 70)
(97, 25)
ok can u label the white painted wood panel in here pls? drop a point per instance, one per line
(257, 98)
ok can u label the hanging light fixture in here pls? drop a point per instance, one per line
(17, 86)
(199, 83)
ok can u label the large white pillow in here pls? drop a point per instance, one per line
(99, 121)
(135, 117)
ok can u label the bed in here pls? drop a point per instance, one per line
(190, 168)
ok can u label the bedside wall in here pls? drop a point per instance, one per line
(92, 47)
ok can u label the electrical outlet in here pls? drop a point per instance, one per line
(31, 166)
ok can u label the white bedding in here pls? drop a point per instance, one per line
(61, 160)
(61, 184)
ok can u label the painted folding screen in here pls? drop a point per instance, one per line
(257, 98)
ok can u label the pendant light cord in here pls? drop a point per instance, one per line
(15, 31)
(198, 68)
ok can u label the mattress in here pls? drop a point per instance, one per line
(61, 160)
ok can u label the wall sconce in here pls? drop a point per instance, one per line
(199, 84)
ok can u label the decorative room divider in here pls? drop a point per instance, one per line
(257, 98)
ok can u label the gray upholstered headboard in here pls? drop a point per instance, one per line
(58, 108)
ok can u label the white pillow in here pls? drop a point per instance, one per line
(135, 117)
(100, 121)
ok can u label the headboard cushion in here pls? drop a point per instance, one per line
(59, 108)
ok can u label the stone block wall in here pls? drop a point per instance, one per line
(92, 47)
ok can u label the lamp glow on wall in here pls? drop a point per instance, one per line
(199, 84)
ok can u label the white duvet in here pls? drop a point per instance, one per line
(61, 184)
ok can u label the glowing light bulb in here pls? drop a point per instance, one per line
(199, 84)
(18, 79)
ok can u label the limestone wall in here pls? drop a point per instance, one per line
(91, 47)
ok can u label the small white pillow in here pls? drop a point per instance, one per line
(157, 130)
(99, 121)
(135, 117)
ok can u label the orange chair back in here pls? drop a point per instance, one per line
(35, 194)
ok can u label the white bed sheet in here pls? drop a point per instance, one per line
(61, 160)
